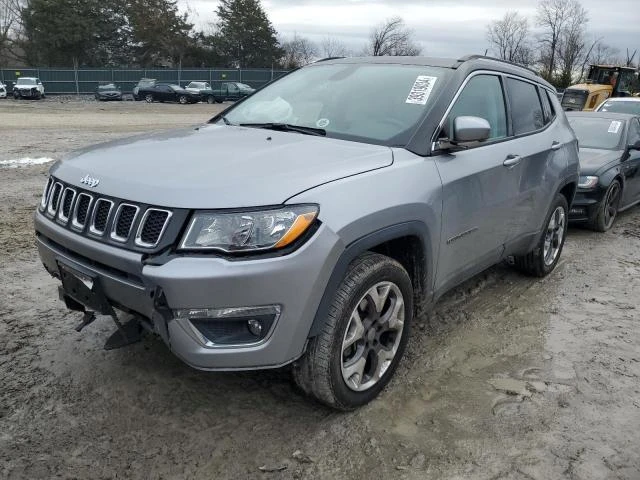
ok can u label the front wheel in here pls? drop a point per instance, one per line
(355, 355)
(16, 96)
(183, 99)
(148, 98)
(210, 100)
(608, 208)
(545, 256)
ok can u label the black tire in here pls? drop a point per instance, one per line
(183, 100)
(16, 96)
(211, 100)
(319, 372)
(148, 98)
(534, 262)
(608, 208)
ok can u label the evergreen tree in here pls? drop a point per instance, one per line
(74, 32)
(246, 35)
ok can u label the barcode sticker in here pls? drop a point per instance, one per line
(421, 90)
(614, 127)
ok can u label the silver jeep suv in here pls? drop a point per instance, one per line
(311, 222)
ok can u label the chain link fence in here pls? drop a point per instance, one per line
(86, 80)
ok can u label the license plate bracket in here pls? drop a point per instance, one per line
(84, 287)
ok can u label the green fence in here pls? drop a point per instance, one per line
(70, 81)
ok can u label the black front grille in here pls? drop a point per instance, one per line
(153, 226)
(138, 227)
(84, 201)
(125, 220)
(102, 215)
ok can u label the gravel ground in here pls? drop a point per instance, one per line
(508, 378)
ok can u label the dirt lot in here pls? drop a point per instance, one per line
(509, 377)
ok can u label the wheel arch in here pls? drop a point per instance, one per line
(407, 242)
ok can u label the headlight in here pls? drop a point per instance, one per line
(588, 182)
(248, 231)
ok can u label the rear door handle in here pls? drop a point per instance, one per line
(556, 146)
(512, 160)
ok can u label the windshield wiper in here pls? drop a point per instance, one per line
(286, 127)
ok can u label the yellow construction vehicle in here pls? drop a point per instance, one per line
(604, 81)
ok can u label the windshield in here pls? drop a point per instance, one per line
(374, 103)
(621, 107)
(175, 87)
(596, 132)
(26, 81)
(244, 85)
(107, 87)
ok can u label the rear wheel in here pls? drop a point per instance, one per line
(356, 353)
(608, 208)
(183, 99)
(210, 99)
(148, 98)
(545, 256)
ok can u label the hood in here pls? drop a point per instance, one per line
(216, 166)
(593, 159)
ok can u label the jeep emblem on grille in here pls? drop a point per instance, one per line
(88, 180)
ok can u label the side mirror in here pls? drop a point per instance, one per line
(634, 146)
(470, 129)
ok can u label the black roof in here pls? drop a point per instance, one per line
(474, 62)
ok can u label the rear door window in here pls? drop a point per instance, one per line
(526, 110)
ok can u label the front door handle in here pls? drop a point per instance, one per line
(556, 146)
(512, 160)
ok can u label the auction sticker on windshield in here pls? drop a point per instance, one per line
(614, 127)
(421, 90)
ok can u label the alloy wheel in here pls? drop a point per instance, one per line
(554, 235)
(373, 336)
(611, 205)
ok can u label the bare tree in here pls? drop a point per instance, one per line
(571, 47)
(332, 47)
(556, 17)
(392, 38)
(10, 22)
(510, 38)
(298, 51)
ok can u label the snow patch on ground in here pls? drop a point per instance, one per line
(24, 162)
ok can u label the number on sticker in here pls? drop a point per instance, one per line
(421, 90)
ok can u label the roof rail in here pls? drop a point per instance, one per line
(466, 58)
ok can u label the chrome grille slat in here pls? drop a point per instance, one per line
(66, 202)
(81, 210)
(45, 194)
(54, 199)
(152, 226)
(100, 216)
(123, 221)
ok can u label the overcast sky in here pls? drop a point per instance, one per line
(443, 28)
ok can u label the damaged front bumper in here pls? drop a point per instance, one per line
(188, 300)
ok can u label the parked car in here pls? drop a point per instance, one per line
(162, 92)
(142, 83)
(609, 166)
(28, 87)
(3, 90)
(308, 223)
(225, 91)
(620, 105)
(108, 92)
